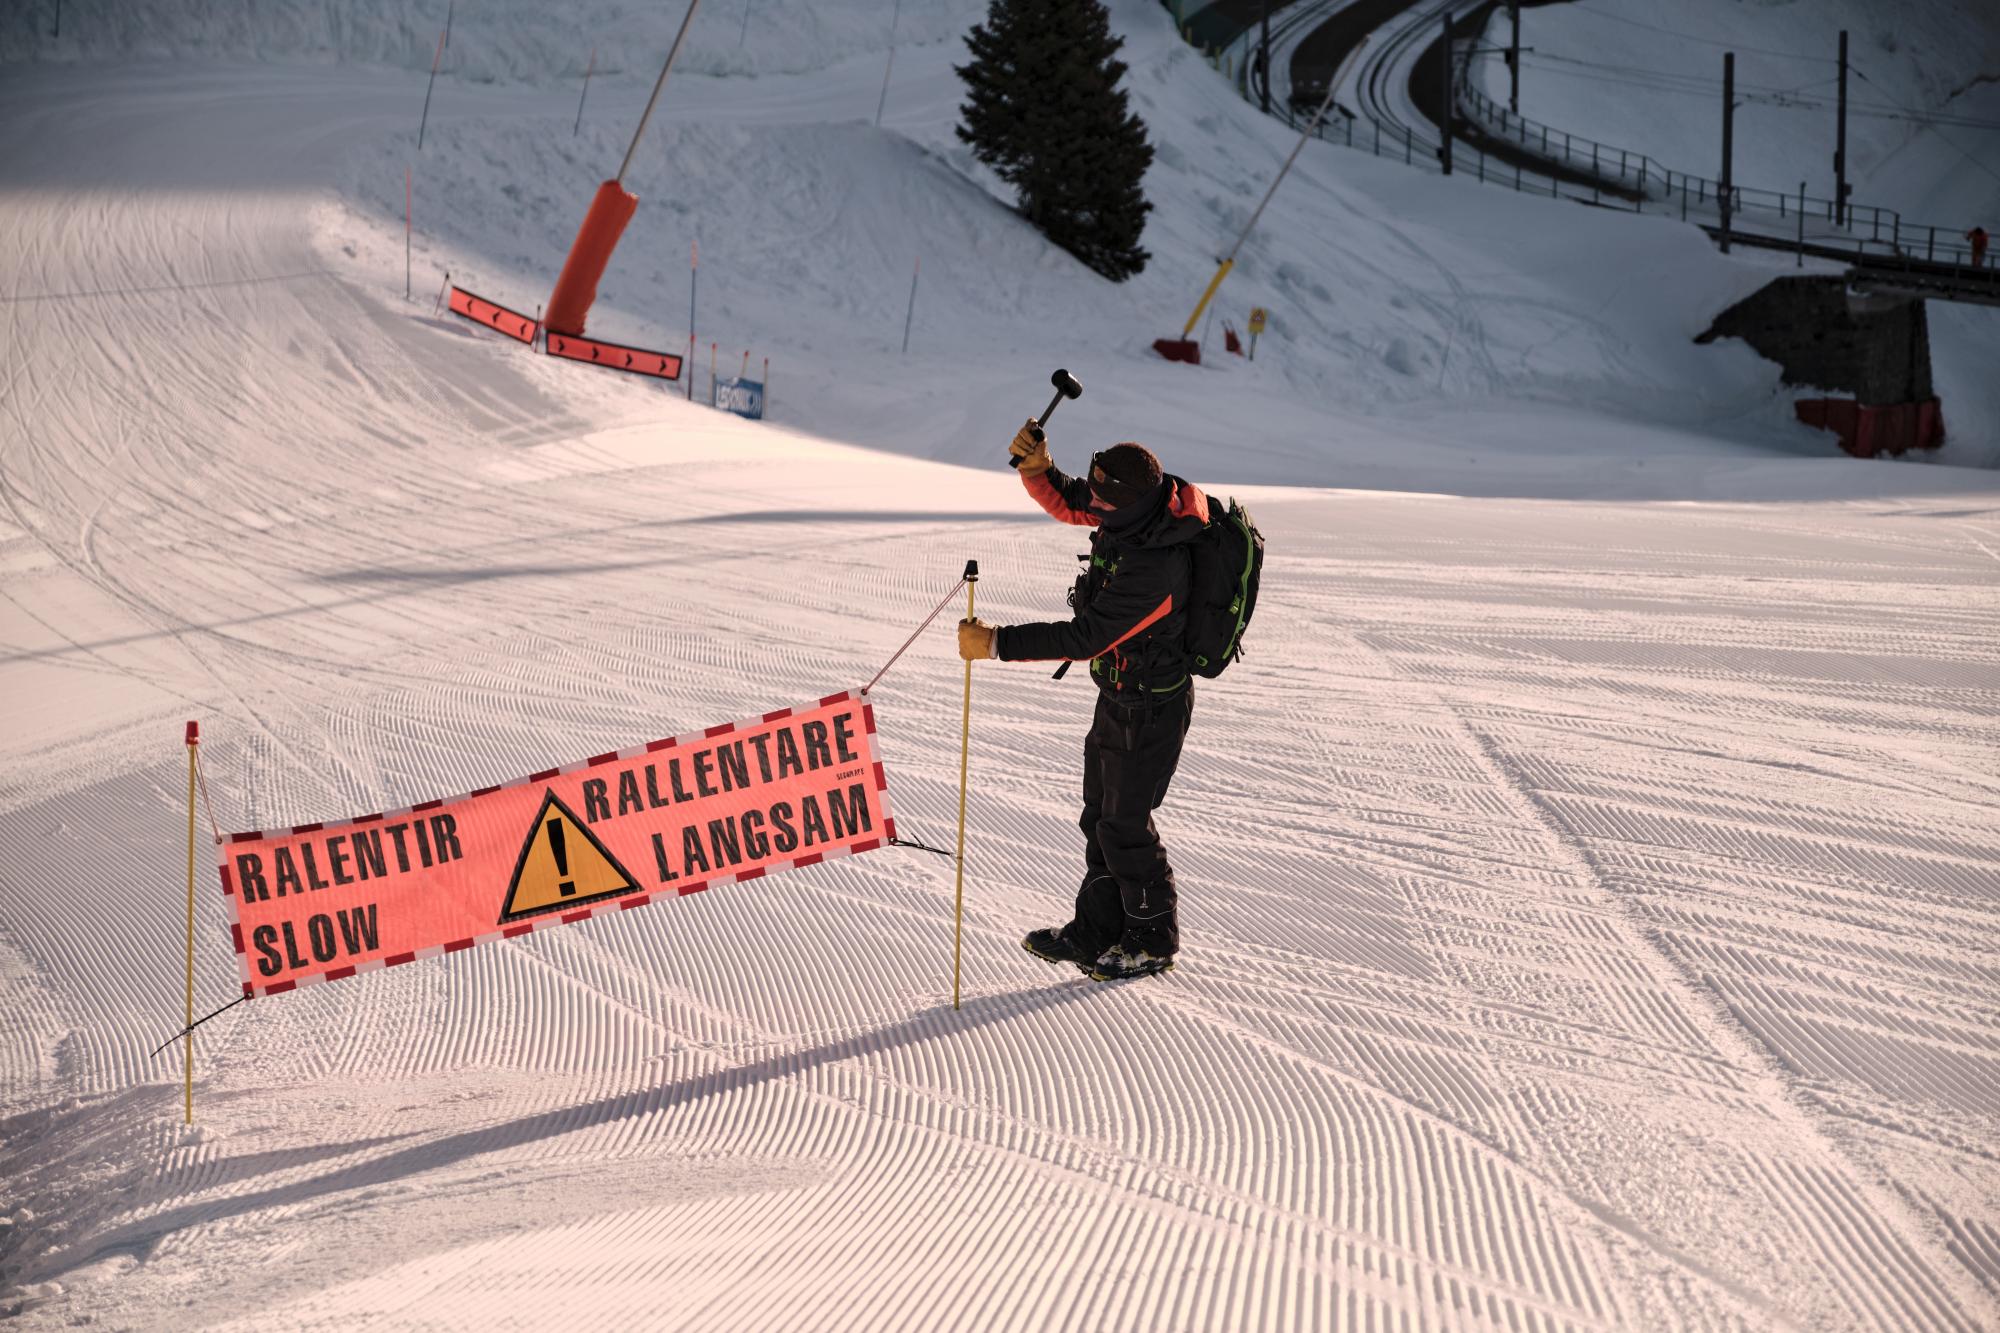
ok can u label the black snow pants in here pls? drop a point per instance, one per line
(1129, 757)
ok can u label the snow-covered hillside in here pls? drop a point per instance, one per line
(1588, 878)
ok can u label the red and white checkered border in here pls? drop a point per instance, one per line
(625, 904)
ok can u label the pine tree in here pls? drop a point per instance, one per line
(1045, 111)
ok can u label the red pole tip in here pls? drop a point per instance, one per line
(194, 733)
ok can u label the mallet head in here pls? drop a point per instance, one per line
(1066, 386)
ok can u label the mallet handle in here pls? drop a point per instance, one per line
(1046, 414)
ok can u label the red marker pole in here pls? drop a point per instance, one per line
(409, 198)
(694, 274)
(187, 1051)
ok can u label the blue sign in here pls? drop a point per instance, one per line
(743, 397)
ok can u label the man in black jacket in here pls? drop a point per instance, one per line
(1130, 624)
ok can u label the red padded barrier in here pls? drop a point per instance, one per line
(615, 356)
(482, 311)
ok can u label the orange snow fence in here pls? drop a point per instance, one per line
(320, 902)
(482, 311)
(616, 356)
(576, 288)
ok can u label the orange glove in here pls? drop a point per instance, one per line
(1033, 453)
(976, 638)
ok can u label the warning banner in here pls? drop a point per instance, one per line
(482, 311)
(320, 902)
(616, 356)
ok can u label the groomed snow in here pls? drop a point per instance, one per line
(1588, 877)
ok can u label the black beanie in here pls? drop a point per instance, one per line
(1124, 474)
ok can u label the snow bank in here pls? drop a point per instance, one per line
(1386, 288)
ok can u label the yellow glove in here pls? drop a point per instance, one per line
(1033, 452)
(976, 638)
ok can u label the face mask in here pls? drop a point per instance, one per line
(1131, 515)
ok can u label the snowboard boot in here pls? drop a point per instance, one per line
(1119, 963)
(1053, 946)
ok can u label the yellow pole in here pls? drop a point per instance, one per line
(187, 1050)
(964, 752)
(1221, 272)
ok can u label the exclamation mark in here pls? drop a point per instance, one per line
(567, 887)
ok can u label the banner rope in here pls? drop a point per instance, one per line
(935, 612)
(201, 776)
(197, 1023)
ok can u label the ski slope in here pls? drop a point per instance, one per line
(1588, 877)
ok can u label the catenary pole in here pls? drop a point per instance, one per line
(1264, 53)
(1840, 143)
(1728, 141)
(1514, 59)
(1444, 96)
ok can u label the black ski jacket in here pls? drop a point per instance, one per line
(1130, 603)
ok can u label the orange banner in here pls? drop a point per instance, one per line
(320, 902)
(482, 311)
(615, 356)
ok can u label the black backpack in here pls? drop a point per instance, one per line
(1228, 558)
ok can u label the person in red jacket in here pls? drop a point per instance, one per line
(1129, 623)
(1978, 238)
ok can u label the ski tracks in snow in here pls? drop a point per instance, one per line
(1588, 907)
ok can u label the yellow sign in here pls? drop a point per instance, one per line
(1256, 319)
(562, 865)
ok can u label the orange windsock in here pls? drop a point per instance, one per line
(570, 304)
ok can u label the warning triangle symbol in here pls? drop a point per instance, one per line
(562, 865)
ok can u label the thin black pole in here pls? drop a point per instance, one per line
(912, 312)
(694, 275)
(587, 69)
(58, 31)
(1840, 143)
(883, 101)
(651, 102)
(432, 85)
(1722, 195)
(1444, 98)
